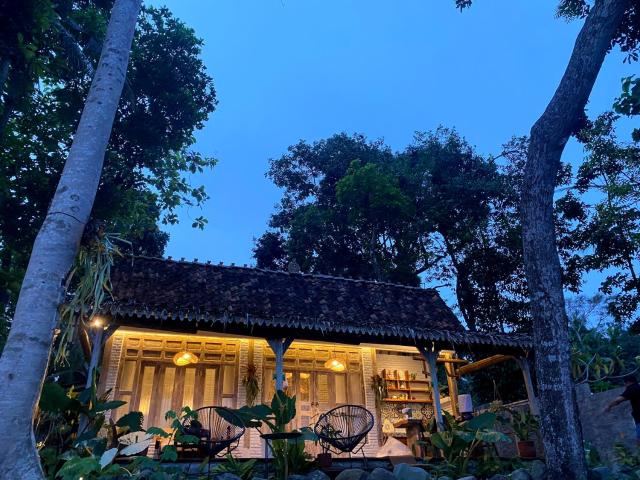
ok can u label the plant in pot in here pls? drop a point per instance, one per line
(524, 424)
(287, 446)
(251, 384)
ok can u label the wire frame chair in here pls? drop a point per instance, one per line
(343, 429)
(216, 433)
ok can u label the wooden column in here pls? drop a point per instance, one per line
(452, 382)
(528, 383)
(279, 347)
(432, 367)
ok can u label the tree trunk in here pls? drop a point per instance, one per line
(24, 361)
(560, 424)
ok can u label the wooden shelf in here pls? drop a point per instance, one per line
(405, 400)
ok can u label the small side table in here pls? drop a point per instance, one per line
(268, 445)
(414, 430)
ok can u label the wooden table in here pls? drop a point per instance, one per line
(414, 429)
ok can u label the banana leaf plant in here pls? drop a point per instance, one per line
(276, 415)
(460, 441)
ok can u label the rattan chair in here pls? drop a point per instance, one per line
(216, 433)
(344, 429)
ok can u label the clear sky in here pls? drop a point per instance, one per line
(286, 70)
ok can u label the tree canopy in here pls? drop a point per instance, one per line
(47, 57)
(436, 212)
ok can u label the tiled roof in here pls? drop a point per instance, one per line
(151, 288)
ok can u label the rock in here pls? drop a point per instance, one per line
(497, 476)
(600, 473)
(402, 471)
(352, 474)
(470, 477)
(226, 476)
(520, 474)
(314, 475)
(444, 478)
(297, 477)
(381, 474)
(537, 469)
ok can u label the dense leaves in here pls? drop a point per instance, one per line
(49, 55)
(436, 212)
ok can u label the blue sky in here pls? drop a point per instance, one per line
(304, 69)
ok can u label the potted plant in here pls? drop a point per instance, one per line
(251, 384)
(524, 424)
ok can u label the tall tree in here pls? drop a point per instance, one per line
(436, 210)
(563, 117)
(148, 171)
(26, 354)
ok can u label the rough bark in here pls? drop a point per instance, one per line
(26, 354)
(549, 135)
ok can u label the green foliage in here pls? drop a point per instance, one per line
(276, 416)
(244, 470)
(149, 165)
(438, 209)
(604, 209)
(69, 452)
(601, 352)
(460, 441)
(251, 384)
(524, 424)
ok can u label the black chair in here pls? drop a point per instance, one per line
(216, 433)
(342, 429)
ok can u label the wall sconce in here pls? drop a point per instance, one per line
(184, 358)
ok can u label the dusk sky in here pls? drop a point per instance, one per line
(287, 70)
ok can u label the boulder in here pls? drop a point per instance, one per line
(381, 474)
(352, 474)
(497, 476)
(537, 469)
(469, 477)
(600, 473)
(297, 477)
(403, 471)
(316, 475)
(520, 474)
(227, 476)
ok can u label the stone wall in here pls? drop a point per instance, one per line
(604, 430)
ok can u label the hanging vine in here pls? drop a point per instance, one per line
(90, 284)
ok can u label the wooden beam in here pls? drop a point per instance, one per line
(279, 347)
(432, 367)
(452, 382)
(528, 383)
(484, 363)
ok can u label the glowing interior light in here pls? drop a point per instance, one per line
(335, 365)
(97, 322)
(184, 358)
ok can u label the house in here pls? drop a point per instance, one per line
(187, 334)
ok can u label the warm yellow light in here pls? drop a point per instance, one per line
(335, 365)
(184, 358)
(97, 322)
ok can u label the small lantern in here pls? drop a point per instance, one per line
(334, 365)
(184, 358)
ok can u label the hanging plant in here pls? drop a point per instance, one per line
(251, 385)
(379, 386)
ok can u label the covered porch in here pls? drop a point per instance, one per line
(327, 340)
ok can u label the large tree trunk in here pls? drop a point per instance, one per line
(560, 424)
(26, 354)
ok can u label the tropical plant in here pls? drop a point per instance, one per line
(251, 384)
(379, 387)
(460, 441)
(55, 249)
(244, 470)
(524, 424)
(289, 455)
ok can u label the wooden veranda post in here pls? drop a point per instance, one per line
(279, 347)
(523, 363)
(432, 367)
(452, 382)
